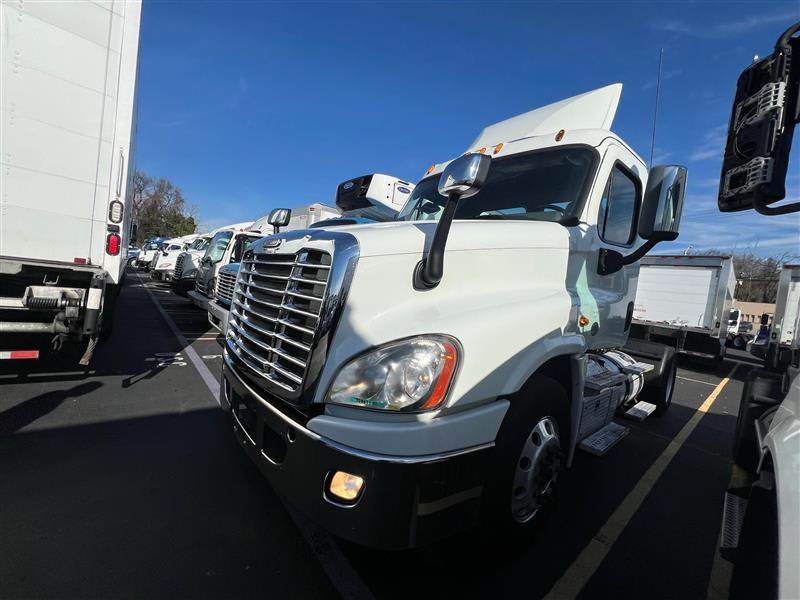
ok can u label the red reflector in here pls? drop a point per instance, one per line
(12, 354)
(79, 261)
(112, 244)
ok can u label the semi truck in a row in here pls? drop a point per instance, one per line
(68, 129)
(401, 381)
(367, 199)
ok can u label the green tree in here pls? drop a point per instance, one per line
(160, 209)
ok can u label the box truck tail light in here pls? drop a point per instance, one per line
(80, 261)
(112, 244)
(115, 211)
(18, 354)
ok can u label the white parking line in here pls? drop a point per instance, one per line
(211, 382)
(592, 556)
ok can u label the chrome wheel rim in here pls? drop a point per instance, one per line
(536, 470)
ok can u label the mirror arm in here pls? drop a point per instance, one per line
(760, 204)
(611, 261)
(430, 269)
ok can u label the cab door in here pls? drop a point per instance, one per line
(611, 216)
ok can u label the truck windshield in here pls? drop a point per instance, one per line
(242, 243)
(199, 244)
(544, 185)
(219, 243)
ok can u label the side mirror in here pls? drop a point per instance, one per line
(663, 203)
(462, 178)
(278, 218)
(659, 219)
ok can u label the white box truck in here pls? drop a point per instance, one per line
(685, 301)
(400, 381)
(68, 102)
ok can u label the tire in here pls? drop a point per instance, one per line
(739, 342)
(532, 441)
(659, 390)
(109, 310)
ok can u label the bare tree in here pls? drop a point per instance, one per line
(757, 276)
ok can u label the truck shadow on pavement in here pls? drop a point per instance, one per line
(26, 412)
(150, 507)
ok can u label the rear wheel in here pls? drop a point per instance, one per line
(529, 459)
(739, 342)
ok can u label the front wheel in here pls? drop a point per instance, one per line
(529, 458)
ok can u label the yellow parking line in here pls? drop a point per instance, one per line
(589, 560)
(695, 380)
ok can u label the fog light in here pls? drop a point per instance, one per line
(345, 486)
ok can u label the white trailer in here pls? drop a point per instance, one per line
(685, 301)
(68, 101)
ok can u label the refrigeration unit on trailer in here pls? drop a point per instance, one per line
(401, 381)
(761, 516)
(69, 82)
(685, 301)
(377, 197)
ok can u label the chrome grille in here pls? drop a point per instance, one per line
(225, 285)
(275, 313)
(176, 274)
(200, 285)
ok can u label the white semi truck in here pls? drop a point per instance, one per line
(163, 265)
(761, 516)
(685, 301)
(401, 381)
(371, 198)
(208, 272)
(188, 261)
(69, 83)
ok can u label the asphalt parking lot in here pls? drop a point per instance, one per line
(124, 480)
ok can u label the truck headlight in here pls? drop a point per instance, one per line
(410, 375)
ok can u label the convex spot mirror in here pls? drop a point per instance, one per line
(279, 217)
(465, 175)
(663, 203)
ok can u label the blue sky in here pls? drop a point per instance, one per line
(252, 105)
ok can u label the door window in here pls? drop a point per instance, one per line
(618, 208)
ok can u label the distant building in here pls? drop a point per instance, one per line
(752, 311)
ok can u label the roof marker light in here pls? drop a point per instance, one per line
(498, 148)
(560, 135)
(482, 151)
(430, 170)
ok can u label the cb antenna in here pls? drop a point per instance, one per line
(655, 111)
